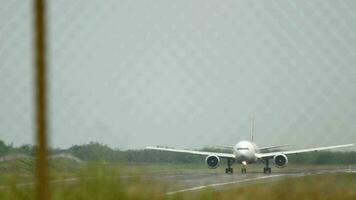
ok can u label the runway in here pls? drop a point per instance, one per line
(182, 183)
(192, 182)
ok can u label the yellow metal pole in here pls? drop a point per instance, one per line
(42, 173)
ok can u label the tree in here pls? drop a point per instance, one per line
(4, 149)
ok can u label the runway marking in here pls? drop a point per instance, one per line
(259, 178)
(221, 184)
(298, 174)
(351, 171)
(68, 180)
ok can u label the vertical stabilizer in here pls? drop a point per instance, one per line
(253, 129)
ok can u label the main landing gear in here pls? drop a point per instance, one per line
(267, 169)
(229, 169)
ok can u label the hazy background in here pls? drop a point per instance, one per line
(184, 73)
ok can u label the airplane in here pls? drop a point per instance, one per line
(246, 152)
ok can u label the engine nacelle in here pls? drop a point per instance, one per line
(212, 161)
(280, 160)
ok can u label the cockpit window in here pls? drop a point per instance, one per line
(242, 148)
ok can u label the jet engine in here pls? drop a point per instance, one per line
(280, 160)
(212, 161)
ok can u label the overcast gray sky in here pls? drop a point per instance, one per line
(184, 73)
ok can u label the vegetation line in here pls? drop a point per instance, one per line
(96, 152)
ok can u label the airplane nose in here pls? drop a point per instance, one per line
(243, 157)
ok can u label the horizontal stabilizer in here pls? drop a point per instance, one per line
(272, 147)
(224, 146)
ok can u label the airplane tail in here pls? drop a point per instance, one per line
(253, 129)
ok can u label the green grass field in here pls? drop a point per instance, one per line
(100, 181)
(319, 187)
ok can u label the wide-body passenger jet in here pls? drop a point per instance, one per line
(247, 152)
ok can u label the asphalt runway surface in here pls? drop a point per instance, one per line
(193, 182)
(182, 183)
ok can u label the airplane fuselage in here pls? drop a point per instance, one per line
(244, 152)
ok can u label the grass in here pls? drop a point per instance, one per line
(94, 182)
(323, 187)
(100, 181)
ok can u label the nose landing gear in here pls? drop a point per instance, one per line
(243, 169)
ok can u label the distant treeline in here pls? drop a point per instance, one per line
(98, 152)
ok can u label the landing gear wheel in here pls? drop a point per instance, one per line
(229, 170)
(267, 170)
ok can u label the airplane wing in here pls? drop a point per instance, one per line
(272, 147)
(204, 153)
(269, 155)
